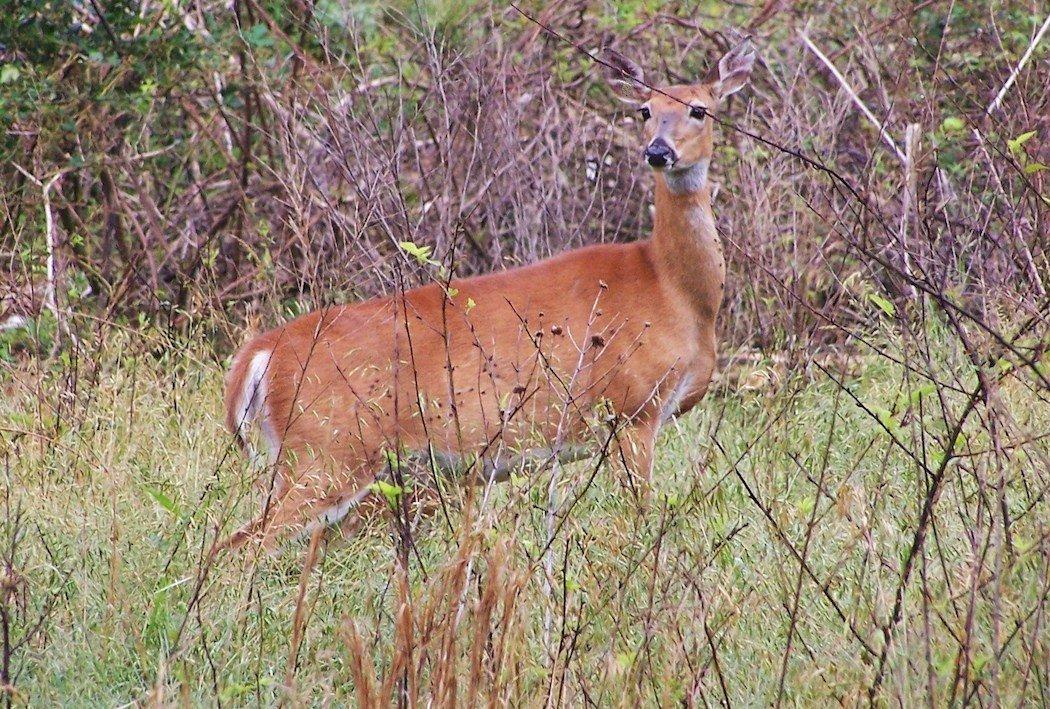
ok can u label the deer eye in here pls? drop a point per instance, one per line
(645, 113)
(698, 112)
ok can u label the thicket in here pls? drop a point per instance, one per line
(194, 160)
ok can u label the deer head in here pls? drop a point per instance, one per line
(677, 124)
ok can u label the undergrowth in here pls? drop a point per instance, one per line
(119, 488)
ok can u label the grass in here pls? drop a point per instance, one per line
(116, 473)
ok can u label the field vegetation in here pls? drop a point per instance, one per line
(857, 513)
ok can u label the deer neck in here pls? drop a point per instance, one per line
(685, 245)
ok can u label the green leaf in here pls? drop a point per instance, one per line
(9, 73)
(806, 505)
(420, 253)
(952, 124)
(1003, 365)
(470, 304)
(921, 391)
(1032, 168)
(886, 418)
(390, 491)
(258, 36)
(884, 305)
(163, 500)
(1016, 145)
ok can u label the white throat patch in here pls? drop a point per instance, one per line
(687, 179)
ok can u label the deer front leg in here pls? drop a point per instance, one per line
(421, 501)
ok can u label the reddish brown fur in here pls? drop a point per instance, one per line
(519, 358)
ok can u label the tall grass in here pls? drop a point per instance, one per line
(765, 567)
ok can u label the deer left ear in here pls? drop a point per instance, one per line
(626, 78)
(733, 70)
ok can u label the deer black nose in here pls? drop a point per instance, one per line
(659, 153)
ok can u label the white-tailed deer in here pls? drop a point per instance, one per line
(510, 364)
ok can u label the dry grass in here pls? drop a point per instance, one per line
(120, 487)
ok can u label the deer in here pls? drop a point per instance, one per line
(516, 365)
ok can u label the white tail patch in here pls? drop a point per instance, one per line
(252, 403)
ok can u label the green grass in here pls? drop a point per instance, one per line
(122, 480)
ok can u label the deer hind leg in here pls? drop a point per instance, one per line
(271, 487)
(421, 499)
(305, 501)
(307, 505)
(300, 498)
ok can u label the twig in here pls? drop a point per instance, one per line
(51, 240)
(1020, 65)
(909, 204)
(853, 95)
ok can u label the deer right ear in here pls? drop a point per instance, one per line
(626, 78)
(733, 70)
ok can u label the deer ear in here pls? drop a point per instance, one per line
(733, 69)
(626, 78)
